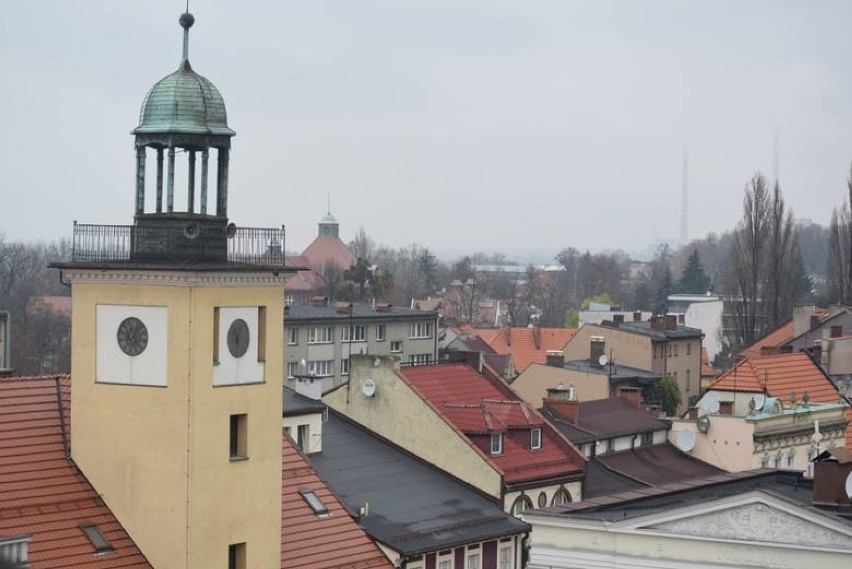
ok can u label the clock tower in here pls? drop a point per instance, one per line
(177, 347)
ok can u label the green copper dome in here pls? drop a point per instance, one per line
(185, 103)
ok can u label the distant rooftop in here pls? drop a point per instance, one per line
(310, 312)
(648, 328)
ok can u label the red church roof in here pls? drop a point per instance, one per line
(327, 248)
(326, 541)
(44, 494)
(476, 405)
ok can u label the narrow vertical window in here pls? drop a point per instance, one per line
(237, 556)
(261, 333)
(239, 437)
(216, 335)
(496, 443)
(535, 439)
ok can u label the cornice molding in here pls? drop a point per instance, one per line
(174, 278)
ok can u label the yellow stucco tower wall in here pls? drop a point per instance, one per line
(159, 456)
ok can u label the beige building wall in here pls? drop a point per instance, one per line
(159, 456)
(633, 350)
(533, 383)
(396, 412)
(574, 489)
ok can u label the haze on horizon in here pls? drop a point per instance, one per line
(460, 125)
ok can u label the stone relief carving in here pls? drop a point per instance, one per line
(757, 522)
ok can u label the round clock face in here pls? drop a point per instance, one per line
(132, 336)
(238, 338)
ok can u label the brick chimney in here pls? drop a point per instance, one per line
(555, 358)
(670, 321)
(632, 395)
(562, 402)
(657, 323)
(802, 318)
(597, 348)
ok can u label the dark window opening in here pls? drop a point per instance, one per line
(97, 538)
(238, 438)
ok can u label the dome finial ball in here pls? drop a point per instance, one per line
(186, 20)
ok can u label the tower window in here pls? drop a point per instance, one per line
(237, 556)
(239, 437)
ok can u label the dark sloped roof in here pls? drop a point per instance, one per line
(297, 404)
(43, 493)
(645, 329)
(658, 464)
(413, 507)
(601, 481)
(311, 541)
(606, 418)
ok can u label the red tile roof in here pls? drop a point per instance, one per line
(43, 493)
(327, 248)
(470, 402)
(777, 337)
(527, 345)
(309, 541)
(781, 375)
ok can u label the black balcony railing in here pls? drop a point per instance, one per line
(180, 242)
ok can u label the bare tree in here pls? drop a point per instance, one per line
(839, 270)
(780, 250)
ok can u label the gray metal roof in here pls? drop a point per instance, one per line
(645, 329)
(297, 404)
(311, 312)
(613, 370)
(413, 507)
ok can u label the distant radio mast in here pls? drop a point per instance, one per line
(684, 234)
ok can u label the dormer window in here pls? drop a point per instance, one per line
(496, 443)
(535, 439)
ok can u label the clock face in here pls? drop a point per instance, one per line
(132, 336)
(238, 338)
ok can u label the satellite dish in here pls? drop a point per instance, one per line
(703, 424)
(686, 440)
(368, 387)
(759, 400)
(603, 360)
(710, 402)
(230, 231)
(849, 485)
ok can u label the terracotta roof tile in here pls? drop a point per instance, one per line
(777, 337)
(527, 345)
(44, 494)
(476, 405)
(309, 541)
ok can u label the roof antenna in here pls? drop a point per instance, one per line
(186, 20)
(328, 199)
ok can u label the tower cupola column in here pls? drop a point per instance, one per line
(159, 180)
(222, 190)
(170, 188)
(190, 191)
(140, 179)
(205, 156)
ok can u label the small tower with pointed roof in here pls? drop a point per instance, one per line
(328, 226)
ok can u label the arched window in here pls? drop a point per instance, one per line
(561, 498)
(542, 500)
(522, 503)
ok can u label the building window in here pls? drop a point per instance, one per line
(791, 459)
(96, 538)
(396, 346)
(674, 350)
(239, 438)
(764, 461)
(669, 350)
(505, 559)
(726, 407)
(496, 443)
(535, 439)
(344, 366)
(445, 564)
(836, 331)
(292, 336)
(688, 348)
(473, 561)
(561, 497)
(522, 504)
(421, 330)
(647, 438)
(355, 333)
(419, 359)
(380, 332)
(321, 335)
(776, 462)
(321, 368)
(292, 369)
(237, 556)
(303, 437)
(16, 551)
(289, 299)
(315, 503)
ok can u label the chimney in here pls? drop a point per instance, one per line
(637, 316)
(383, 306)
(657, 323)
(670, 321)
(831, 469)
(802, 318)
(555, 358)
(618, 319)
(632, 395)
(343, 307)
(537, 335)
(508, 335)
(319, 301)
(597, 348)
(562, 402)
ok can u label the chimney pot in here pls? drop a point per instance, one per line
(632, 395)
(555, 358)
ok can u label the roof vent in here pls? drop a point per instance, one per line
(383, 306)
(319, 301)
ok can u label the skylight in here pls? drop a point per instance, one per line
(314, 502)
(97, 539)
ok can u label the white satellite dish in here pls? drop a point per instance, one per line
(603, 360)
(710, 402)
(759, 401)
(368, 387)
(686, 440)
(849, 485)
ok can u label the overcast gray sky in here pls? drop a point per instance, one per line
(457, 124)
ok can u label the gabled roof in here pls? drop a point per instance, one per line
(327, 541)
(413, 506)
(327, 248)
(773, 339)
(607, 418)
(43, 493)
(527, 345)
(779, 375)
(450, 387)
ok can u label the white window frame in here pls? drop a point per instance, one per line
(473, 559)
(292, 369)
(396, 346)
(380, 332)
(321, 368)
(497, 448)
(292, 336)
(354, 333)
(535, 438)
(344, 366)
(419, 359)
(420, 330)
(504, 557)
(321, 335)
